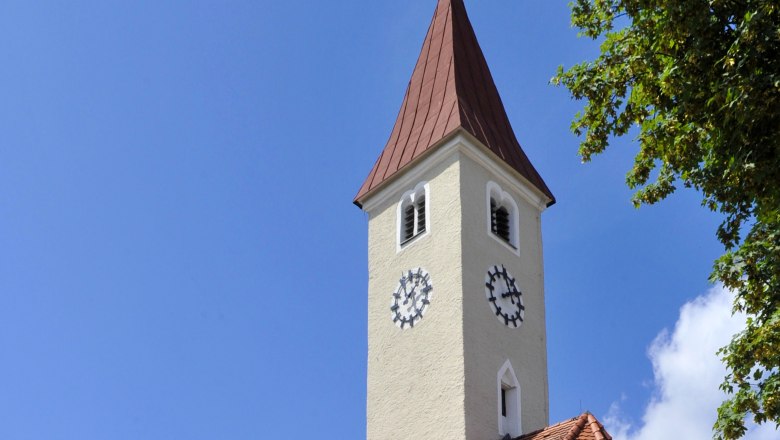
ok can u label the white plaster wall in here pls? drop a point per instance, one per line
(416, 376)
(439, 379)
(487, 342)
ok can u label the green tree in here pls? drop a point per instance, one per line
(699, 80)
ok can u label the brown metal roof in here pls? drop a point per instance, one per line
(451, 88)
(584, 427)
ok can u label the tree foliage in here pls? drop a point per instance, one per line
(699, 80)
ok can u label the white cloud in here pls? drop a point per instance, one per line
(687, 373)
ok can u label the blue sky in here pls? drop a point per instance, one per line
(179, 253)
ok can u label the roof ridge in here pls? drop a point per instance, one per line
(585, 426)
(575, 430)
(597, 428)
(527, 434)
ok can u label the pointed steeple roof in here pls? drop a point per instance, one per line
(451, 89)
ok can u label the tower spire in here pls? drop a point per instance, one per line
(451, 89)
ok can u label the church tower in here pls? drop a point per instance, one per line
(456, 318)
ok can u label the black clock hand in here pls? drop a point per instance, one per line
(508, 286)
(403, 286)
(511, 291)
(511, 294)
(410, 294)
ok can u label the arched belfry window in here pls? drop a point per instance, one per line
(502, 220)
(508, 399)
(413, 214)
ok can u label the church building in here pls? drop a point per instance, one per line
(457, 345)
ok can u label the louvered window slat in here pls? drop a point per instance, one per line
(502, 223)
(493, 215)
(408, 222)
(421, 217)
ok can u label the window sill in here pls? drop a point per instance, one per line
(509, 245)
(410, 241)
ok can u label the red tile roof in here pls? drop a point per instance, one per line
(451, 89)
(584, 427)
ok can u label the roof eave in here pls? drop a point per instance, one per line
(360, 199)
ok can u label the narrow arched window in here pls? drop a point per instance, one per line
(509, 421)
(503, 221)
(413, 214)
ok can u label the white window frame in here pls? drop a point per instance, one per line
(503, 198)
(511, 423)
(412, 197)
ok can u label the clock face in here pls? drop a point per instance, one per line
(412, 298)
(504, 296)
